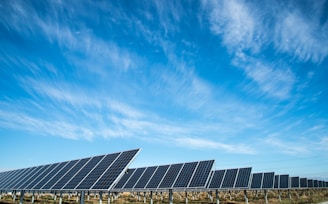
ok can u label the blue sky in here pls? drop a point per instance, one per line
(241, 82)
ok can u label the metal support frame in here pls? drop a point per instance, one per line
(21, 197)
(279, 195)
(108, 198)
(60, 197)
(144, 197)
(245, 196)
(100, 197)
(266, 196)
(170, 196)
(217, 196)
(82, 197)
(151, 197)
(186, 199)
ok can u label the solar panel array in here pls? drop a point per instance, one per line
(230, 179)
(262, 180)
(175, 176)
(94, 173)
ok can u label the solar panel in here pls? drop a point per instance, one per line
(284, 181)
(216, 179)
(116, 170)
(185, 175)
(134, 178)
(268, 180)
(124, 178)
(157, 177)
(295, 182)
(276, 181)
(257, 181)
(201, 174)
(18, 176)
(52, 173)
(320, 184)
(170, 176)
(145, 177)
(229, 179)
(94, 175)
(59, 175)
(310, 183)
(66, 178)
(9, 178)
(32, 178)
(243, 177)
(315, 184)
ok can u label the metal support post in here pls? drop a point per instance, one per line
(100, 197)
(21, 197)
(266, 196)
(144, 197)
(186, 197)
(171, 196)
(108, 199)
(217, 196)
(14, 196)
(60, 197)
(245, 196)
(289, 195)
(32, 201)
(151, 197)
(279, 194)
(88, 198)
(77, 197)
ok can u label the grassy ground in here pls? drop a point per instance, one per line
(292, 197)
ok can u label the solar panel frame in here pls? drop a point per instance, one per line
(303, 183)
(158, 176)
(185, 175)
(229, 179)
(19, 175)
(243, 178)
(216, 179)
(120, 184)
(257, 179)
(134, 178)
(310, 183)
(284, 181)
(268, 180)
(294, 182)
(145, 178)
(276, 181)
(201, 174)
(9, 178)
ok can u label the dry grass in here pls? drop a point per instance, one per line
(291, 197)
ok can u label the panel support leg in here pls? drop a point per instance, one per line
(100, 197)
(82, 197)
(171, 196)
(186, 197)
(14, 196)
(108, 200)
(266, 196)
(32, 201)
(151, 197)
(88, 198)
(279, 194)
(144, 197)
(21, 197)
(217, 196)
(245, 196)
(60, 197)
(289, 195)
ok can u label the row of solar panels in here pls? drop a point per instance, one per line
(110, 172)
(93, 173)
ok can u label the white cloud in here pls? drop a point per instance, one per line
(286, 147)
(199, 143)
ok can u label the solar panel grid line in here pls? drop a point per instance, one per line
(210, 180)
(17, 178)
(268, 180)
(31, 177)
(262, 180)
(144, 171)
(26, 176)
(72, 173)
(161, 180)
(18, 173)
(134, 171)
(276, 181)
(243, 178)
(115, 172)
(229, 179)
(119, 185)
(148, 174)
(48, 177)
(134, 179)
(177, 176)
(151, 176)
(217, 179)
(193, 174)
(39, 177)
(257, 180)
(102, 157)
(236, 178)
(59, 175)
(9, 178)
(87, 177)
(170, 176)
(158, 176)
(182, 178)
(201, 174)
(225, 172)
(60, 168)
(80, 175)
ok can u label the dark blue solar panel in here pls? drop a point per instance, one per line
(257, 181)
(116, 170)
(59, 175)
(315, 184)
(276, 181)
(201, 174)
(9, 178)
(61, 183)
(83, 172)
(27, 175)
(303, 182)
(243, 177)
(310, 183)
(40, 176)
(229, 179)
(284, 181)
(15, 179)
(95, 174)
(170, 176)
(295, 182)
(51, 174)
(31, 178)
(320, 184)
(124, 178)
(217, 179)
(134, 178)
(4, 176)
(145, 177)
(157, 177)
(268, 180)
(185, 175)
